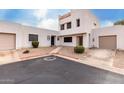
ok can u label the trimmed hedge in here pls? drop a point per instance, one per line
(79, 49)
(35, 44)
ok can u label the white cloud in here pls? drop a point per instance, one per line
(107, 23)
(25, 24)
(40, 13)
(49, 24)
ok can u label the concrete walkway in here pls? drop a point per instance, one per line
(56, 50)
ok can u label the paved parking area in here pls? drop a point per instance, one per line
(59, 71)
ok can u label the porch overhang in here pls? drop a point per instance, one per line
(75, 34)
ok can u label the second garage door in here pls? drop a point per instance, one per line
(108, 42)
(7, 41)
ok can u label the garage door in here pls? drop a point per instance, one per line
(7, 41)
(107, 42)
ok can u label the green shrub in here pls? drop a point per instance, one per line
(35, 44)
(79, 49)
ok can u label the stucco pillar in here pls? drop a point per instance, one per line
(86, 40)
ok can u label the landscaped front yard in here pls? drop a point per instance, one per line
(69, 52)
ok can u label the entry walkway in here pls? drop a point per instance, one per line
(56, 50)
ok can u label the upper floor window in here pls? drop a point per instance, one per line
(68, 25)
(78, 22)
(62, 26)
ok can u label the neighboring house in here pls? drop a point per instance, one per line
(15, 36)
(78, 27)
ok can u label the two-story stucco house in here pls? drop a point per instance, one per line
(78, 27)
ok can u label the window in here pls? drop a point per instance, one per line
(68, 25)
(67, 39)
(62, 27)
(33, 37)
(48, 37)
(78, 22)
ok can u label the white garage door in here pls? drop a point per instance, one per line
(7, 41)
(107, 42)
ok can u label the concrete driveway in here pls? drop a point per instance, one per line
(119, 59)
(92, 56)
(58, 71)
(103, 54)
(8, 57)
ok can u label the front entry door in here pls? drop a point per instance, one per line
(52, 40)
(80, 40)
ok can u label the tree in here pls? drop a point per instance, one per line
(121, 22)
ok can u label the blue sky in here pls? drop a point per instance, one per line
(47, 18)
(108, 16)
